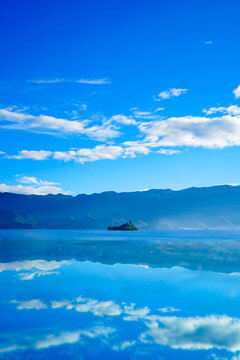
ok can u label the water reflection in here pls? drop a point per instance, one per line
(69, 309)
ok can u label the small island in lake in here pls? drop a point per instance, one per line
(125, 227)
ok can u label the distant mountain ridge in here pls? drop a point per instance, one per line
(216, 207)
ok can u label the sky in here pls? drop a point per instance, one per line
(118, 95)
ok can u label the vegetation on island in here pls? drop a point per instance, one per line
(125, 227)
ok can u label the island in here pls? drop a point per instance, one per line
(125, 227)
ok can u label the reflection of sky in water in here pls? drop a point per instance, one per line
(69, 309)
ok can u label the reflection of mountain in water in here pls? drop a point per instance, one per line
(194, 250)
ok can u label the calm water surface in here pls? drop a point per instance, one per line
(114, 295)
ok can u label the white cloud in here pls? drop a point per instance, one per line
(236, 92)
(217, 132)
(81, 304)
(194, 333)
(167, 151)
(134, 314)
(32, 275)
(58, 304)
(168, 94)
(124, 345)
(123, 120)
(11, 348)
(46, 81)
(208, 42)
(159, 109)
(79, 81)
(132, 148)
(33, 190)
(30, 304)
(34, 180)
(94, 81)
(168, 309)
(147, 115)
(233, 110)
(97, 307)
(65, 337)
(41, 265)
(100, 152)
(32, 154)
(71, 337)
(32, 185)
(48, 124)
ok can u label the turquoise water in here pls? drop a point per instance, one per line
(114, 295)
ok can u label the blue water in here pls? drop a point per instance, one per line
(114, 295)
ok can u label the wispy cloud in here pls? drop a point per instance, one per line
(34, 180)
(168, 94)
(209, 42)
(48, 124)
(94, 81)
(65, 337)
(100, 81)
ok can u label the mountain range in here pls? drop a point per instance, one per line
(216, 207)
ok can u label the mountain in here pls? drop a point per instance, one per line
(216, 207)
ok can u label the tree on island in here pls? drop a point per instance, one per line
(125, 227)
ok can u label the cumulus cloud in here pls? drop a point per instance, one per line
(194, 333)
(78, 81)
(168, 94)
(192, 131)
(236, 92)
(48, 124)
(33, 190)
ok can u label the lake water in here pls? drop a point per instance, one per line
(115, 295)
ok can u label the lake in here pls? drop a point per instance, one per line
(119, 295)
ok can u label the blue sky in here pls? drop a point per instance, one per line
(118, 95)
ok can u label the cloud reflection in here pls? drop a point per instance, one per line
(194, 333)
